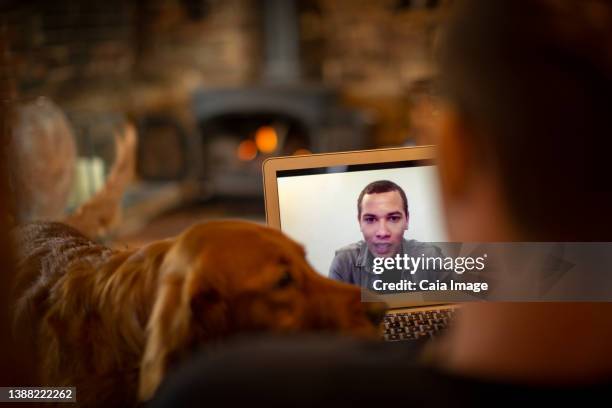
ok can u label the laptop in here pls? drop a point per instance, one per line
(313, 199)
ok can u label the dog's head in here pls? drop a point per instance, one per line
(225, 278)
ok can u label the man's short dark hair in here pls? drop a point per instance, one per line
(532, 81)
(382, 186)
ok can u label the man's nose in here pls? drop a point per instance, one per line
(382, 231)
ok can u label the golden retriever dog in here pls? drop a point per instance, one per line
(113, 323)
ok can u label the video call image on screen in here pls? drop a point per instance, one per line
(318, 207)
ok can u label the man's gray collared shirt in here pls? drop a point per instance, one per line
(354, 264)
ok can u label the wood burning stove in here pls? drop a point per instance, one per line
(241, 127)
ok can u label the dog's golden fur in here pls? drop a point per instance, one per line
(112, 322)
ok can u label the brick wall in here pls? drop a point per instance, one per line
(139, 56)
(374, 51)
(128, 54)
(217, 41)
(59, 46)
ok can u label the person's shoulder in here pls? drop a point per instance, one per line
(347, 255)
(413, 247)
(344, 261)
(350, 249)
(261, 365)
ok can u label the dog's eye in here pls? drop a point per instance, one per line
(285, 280)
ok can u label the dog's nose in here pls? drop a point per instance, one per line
(376, 311)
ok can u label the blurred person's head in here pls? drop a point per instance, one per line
(382, 211)
(42, 159)
(525, 142)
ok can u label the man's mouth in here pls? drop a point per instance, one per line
(382, 249)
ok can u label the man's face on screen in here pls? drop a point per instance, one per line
(383, 223)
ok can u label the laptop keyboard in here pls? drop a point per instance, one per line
(416, 325)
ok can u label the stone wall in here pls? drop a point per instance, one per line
(375, 51)
(142, 56)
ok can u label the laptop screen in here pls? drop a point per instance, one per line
(319, 208)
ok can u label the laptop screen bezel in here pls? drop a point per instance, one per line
(272, 166)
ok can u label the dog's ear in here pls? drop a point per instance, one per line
(188, 309)
(167, 329)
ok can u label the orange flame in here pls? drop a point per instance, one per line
(266, 139)
(247, 150)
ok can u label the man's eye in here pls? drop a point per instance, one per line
(285, 280)
(394, 218)
(369, 220)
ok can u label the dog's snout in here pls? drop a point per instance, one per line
(376, 311)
